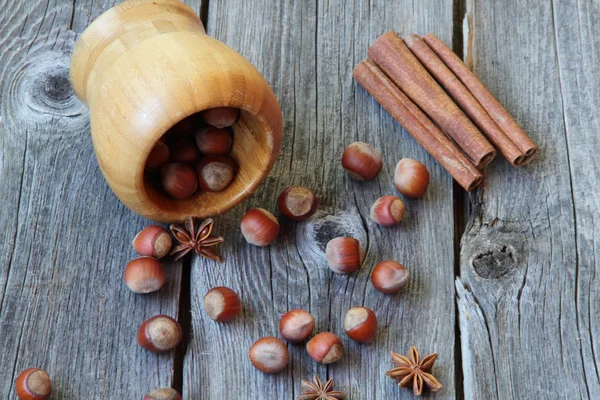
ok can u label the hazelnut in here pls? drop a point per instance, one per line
(163, 394)
(215, 173)
(269, 355)
(325, 348)
(296, 325)
(361, 161)
(144, 275)
(259, 227)
(297, 203)
(343, 255)
(222, 304)
(389, 276)
(411, 178)
(220, 117)
(33, 384)
(159, 334)
(159, 156)
(184, 151)
(387, 210)
(179, 180)
(187, 126)
(360, 324)
(152, 241)
(214, 141)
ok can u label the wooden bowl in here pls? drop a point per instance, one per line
(145, 65)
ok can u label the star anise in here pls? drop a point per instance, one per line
(199, 239)
(415, 372)
(316, 391)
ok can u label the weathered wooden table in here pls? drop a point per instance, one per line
(503, 280)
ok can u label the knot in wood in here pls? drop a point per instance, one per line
(495, 263)
(55, 86)
(50, 90)
(323, 227)
(40, 89)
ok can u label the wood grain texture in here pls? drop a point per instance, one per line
(527, 293)
(65, 236)
(307, 51)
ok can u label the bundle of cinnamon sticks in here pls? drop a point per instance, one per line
(442, 104)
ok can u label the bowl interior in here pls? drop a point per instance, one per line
(252, 150)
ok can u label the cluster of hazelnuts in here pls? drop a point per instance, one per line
(260, 227)
(158, 334)
(35, 384)
(195, 154)
(411, 178)
(362, 162)
(145, 274)
(270, 354)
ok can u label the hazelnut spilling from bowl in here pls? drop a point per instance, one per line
(194, 155)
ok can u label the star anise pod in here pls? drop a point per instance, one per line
(198, 239)
(316, 391)
(414, 371)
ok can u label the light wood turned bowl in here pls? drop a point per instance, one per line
(145, 65)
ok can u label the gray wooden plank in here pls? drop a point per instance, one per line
(307, 51)
(66, 237)
(528, 292)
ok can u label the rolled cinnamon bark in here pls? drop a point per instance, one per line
(502, 118)
(464, 99)
(418, 125)
(395, 59)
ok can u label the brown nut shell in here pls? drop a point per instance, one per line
(159, 334)
(152, 241)
(343, 255)
(388, 210)
(33, 384)
(362, 161)
(144, 275)
(411, 178)
(184, 151)
(296, 326)
(178, 180)
(222, 304)
(325, 348)
(187, 126)
(297, 203)
(163, 394)
(215, 173)
(259, 227)
(269, 355)
(159, 156)
(389, 277)
(220, 117)
(214, 141)
(360, 324)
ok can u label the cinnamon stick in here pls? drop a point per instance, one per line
(498, 113)
(464, 99)
(418, 125)
(395, 59)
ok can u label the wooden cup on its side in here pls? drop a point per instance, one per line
(145, 65)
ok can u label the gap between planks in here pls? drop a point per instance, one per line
(460, 198)
(185, 299)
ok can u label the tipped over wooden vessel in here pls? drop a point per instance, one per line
(145, 65)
